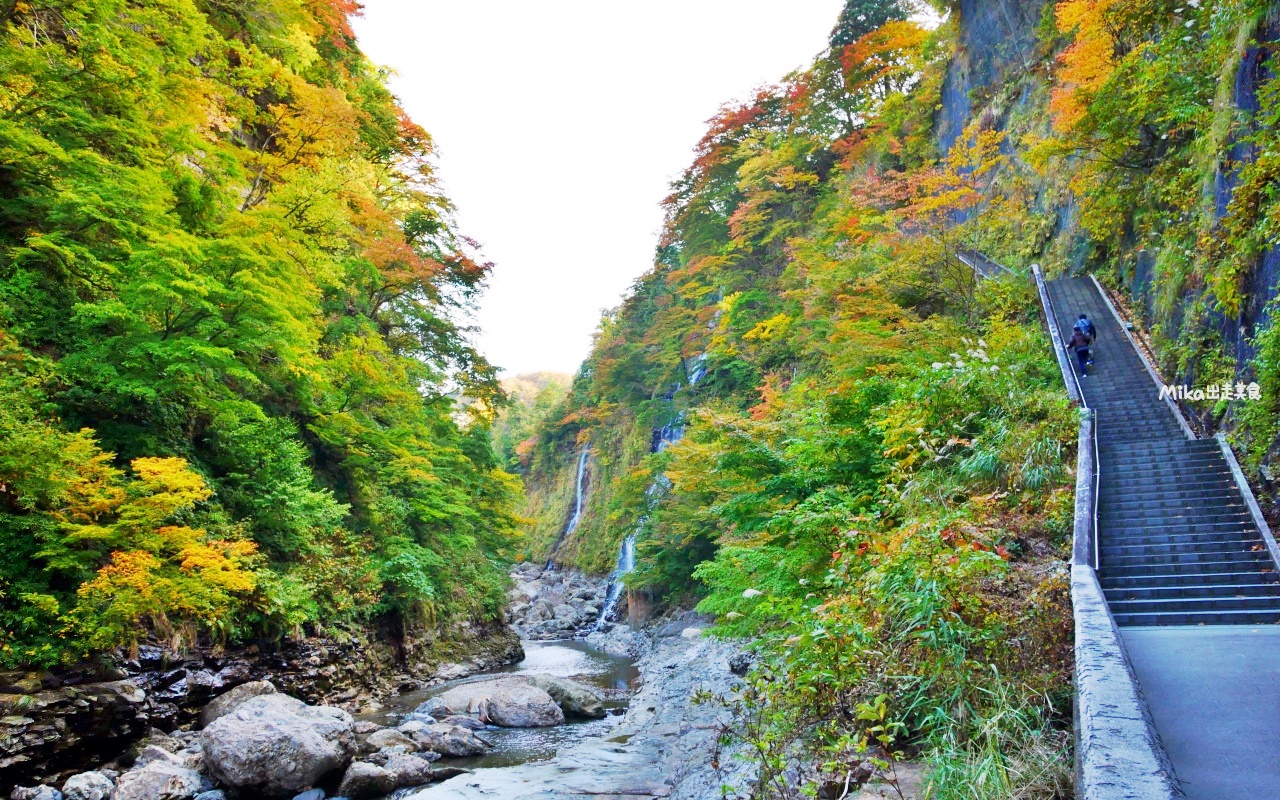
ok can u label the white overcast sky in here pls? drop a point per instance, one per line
(560, 125)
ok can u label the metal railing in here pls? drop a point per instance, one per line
(1088, 471)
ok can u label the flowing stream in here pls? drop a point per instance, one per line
(613, 676)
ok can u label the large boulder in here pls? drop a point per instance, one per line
(575, 699)
(87, 786)
(511, 702)
(450, 740)
(387, 738)
(277, 745)
(224, 704)
(520, 705)
(365, 779)
(159, 780)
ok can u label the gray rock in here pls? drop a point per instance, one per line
(508, 701)
(87, 786)
(450, 740)
(154, 753)
(433, 707)
(216, 794)
(565, 611)
(445, 773)
(277, 745)
(226, 703)
(520, 705)
(387, 737)
(575, 699)
(156, 739)
(458, 720)
(41, 792)
(364, 780)
(192, 757)
(159, 780)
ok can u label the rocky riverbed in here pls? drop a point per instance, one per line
(54, 723)
(554, 603)
(527, 727)
(665, 746)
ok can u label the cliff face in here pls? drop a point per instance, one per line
(996, 40)
(1204, 314)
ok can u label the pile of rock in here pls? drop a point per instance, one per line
(554, 603)
(55, 721)
(256, 742)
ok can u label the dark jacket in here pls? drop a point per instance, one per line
(1078, 341)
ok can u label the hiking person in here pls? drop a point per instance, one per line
(1085, 326)
(1079, 345)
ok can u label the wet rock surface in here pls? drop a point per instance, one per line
(664, 746)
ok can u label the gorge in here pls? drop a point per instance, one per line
(819, 514)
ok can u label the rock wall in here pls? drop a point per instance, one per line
(995, 39)
(55, 723)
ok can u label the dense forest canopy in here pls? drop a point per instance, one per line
(230, 298)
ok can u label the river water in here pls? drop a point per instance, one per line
(614, 676)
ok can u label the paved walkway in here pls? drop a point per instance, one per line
(1214, 693)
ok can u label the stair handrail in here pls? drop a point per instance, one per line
(1085, 545)
(1059, 346)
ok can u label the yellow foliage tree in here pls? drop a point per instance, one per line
(161, 577)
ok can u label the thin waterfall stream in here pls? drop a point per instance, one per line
(572, 525)
(626, 564)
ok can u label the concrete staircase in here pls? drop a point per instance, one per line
(1177, 545)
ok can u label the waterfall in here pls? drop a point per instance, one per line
(626, 563)
(577, 508)
(669, 435)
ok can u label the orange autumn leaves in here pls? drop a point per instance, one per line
(159, 575)
(1089, 61)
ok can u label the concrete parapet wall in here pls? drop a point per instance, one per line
(1118, 754)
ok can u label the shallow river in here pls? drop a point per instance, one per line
(616, 677)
